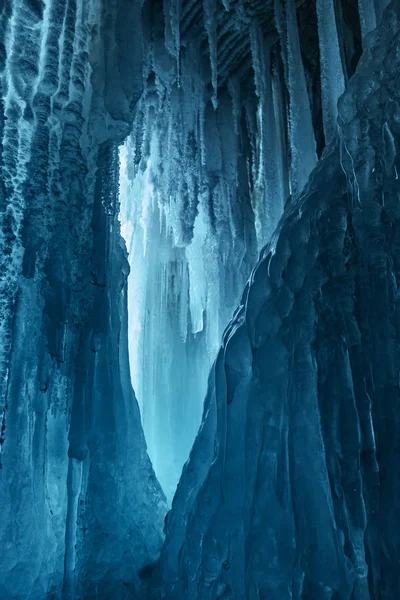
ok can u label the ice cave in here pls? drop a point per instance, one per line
(199, 300)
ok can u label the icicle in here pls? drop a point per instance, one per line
(301, 132)
(234, 91)
(272, 160)
(269, 188)
(332, 78)
(278, 86)
(259, 197)
(197, 276)
(172, 15)
(210, 22)
(175, 23)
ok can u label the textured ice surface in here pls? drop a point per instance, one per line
(81, 510)
(292, 484)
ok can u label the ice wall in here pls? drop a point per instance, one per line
(291, 486)
(81, 510)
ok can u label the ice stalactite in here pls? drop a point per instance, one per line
(172, 14)
(332, 77)
(210, 23)
(268, 206)
(301, 135)
(289, 491)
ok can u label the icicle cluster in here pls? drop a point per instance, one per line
(202, 191)
(215, 151)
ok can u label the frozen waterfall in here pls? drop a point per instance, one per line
(194, 220)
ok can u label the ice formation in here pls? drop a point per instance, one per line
(81, 509)
(292, 485)
(202, 189)
(236, 145)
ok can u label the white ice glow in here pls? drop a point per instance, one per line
(134, 228)
(167, 298)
